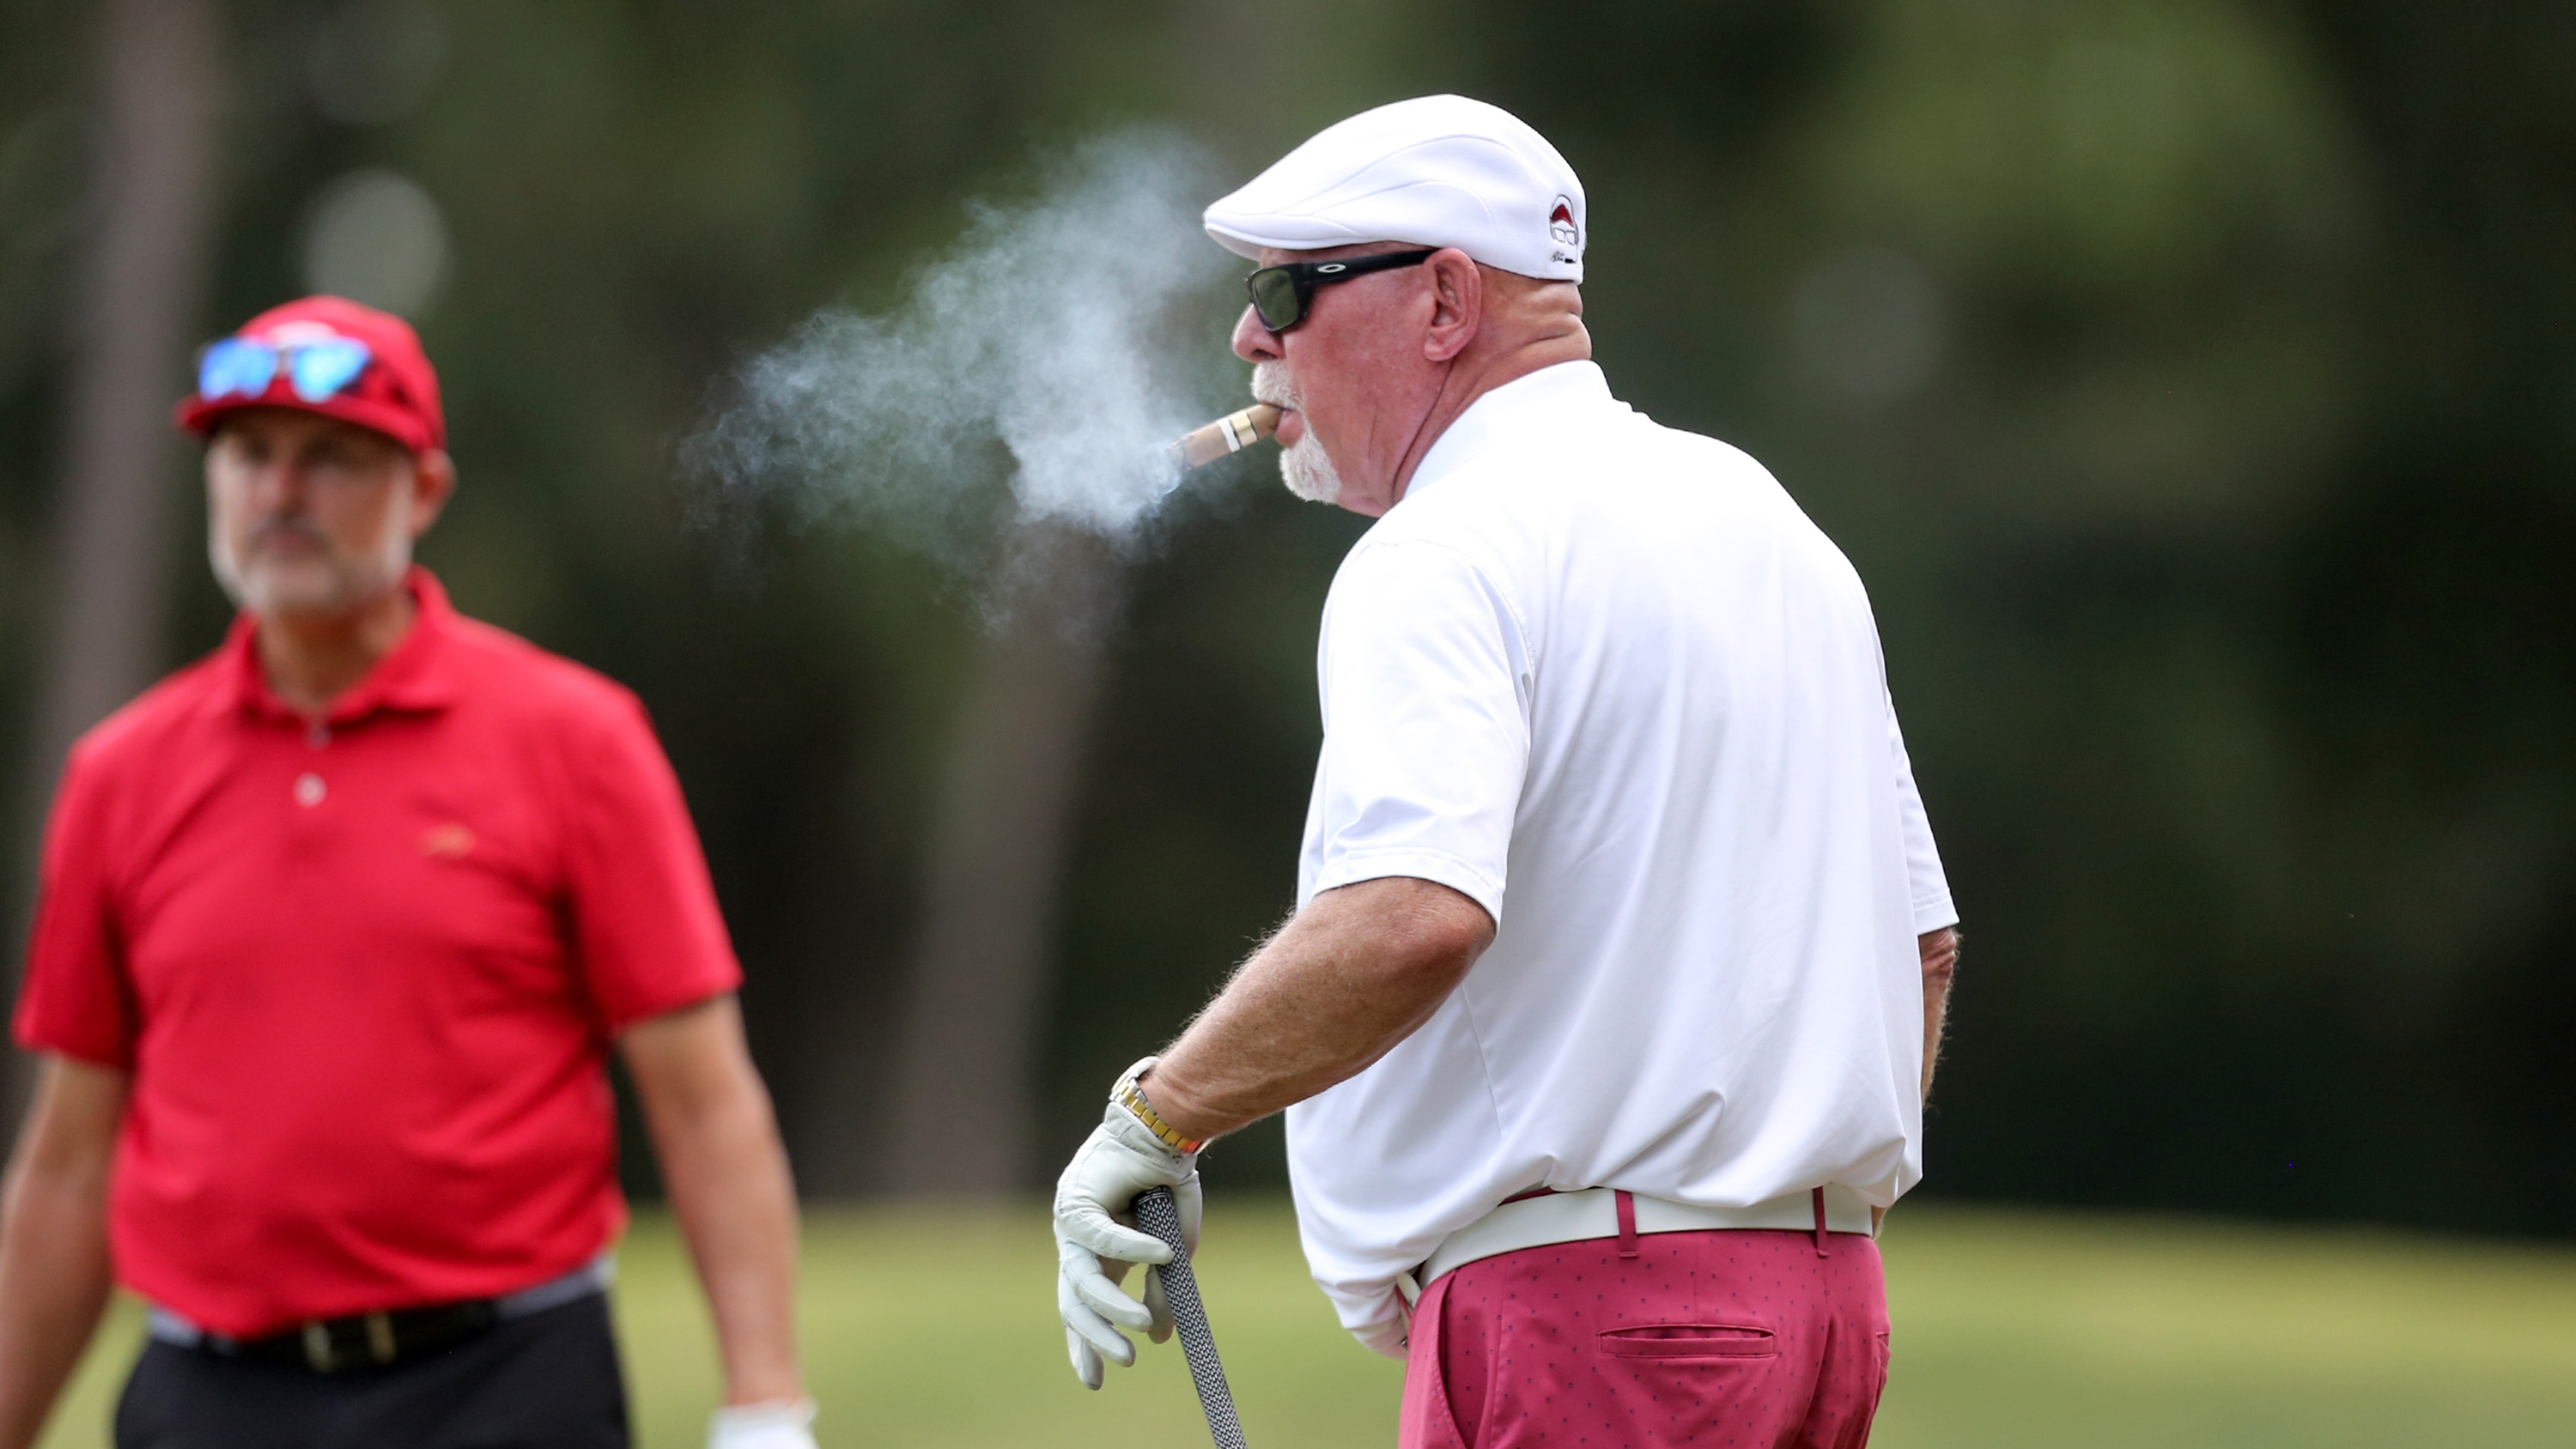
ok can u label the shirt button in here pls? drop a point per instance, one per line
(309, 789)
(318, 736)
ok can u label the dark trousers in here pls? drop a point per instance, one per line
(549, 1379)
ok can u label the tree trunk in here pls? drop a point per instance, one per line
(964, 1084)
(141, 299)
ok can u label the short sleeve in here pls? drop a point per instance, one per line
(1929, 884)
(76, 999)
(646, 930)
(1424, 673)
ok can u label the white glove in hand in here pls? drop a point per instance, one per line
(1096, 1241)
(778, 1425)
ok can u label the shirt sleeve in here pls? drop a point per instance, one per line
(645, 925)
(76, 999)
(1424, 675)
(1931, 887)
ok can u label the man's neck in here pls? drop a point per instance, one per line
(310, 660)
(1473, 377)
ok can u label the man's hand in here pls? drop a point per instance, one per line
(1352, 974)
(1096, 1242)
(763, 1426)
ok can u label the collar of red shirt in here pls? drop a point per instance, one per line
(416, 677)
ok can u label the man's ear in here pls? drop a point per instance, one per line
(433, 482)
(1457, 303)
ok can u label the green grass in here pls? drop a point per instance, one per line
(2012, 1329)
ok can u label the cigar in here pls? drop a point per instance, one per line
(1229, 434)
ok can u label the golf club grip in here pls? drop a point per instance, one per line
(1159, 1214)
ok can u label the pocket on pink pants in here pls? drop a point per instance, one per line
(1688, 1341)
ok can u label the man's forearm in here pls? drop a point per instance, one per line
(1351, 975)
(717, 1142)
(730, 1190)
(54, 1281)
(1940, 951)
(54, 1267)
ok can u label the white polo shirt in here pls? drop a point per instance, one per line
(1606, 679)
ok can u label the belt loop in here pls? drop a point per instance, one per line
(1820, 1222)
(1627, 1222)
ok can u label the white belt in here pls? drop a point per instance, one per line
(1572, 1217)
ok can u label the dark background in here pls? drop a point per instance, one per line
(2194, 382)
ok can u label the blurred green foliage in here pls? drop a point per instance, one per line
(2191, 379)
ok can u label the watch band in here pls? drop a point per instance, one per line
(1131, 1095)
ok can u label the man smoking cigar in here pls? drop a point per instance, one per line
(1606, 1016)
(336, 930)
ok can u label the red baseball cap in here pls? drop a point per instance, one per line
(324, 355)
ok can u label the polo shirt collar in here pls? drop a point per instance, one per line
(1541, 397)
(417, 677)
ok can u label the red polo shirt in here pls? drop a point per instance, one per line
(365, 973)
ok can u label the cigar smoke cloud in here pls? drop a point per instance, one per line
(1025, 385)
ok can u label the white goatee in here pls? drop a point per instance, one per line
(1305, 468)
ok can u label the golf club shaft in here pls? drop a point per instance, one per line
(1158, 1214)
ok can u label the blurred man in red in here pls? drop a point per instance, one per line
(336, 928)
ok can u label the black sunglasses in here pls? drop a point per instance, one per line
(1281, 295)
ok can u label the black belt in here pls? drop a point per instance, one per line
(368, 1340)
(389, 1336)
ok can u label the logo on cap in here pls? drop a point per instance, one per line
(1560, 222)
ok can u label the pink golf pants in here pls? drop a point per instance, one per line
(1726, 1340)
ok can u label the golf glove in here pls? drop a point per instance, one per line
(780, 1425)
(1096, 1239)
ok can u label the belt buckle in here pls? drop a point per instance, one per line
(322, 1354)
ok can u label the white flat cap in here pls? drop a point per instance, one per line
(1440, 171)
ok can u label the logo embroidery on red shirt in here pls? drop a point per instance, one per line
(447, 842)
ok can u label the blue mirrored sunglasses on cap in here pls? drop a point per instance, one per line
(321, 369)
